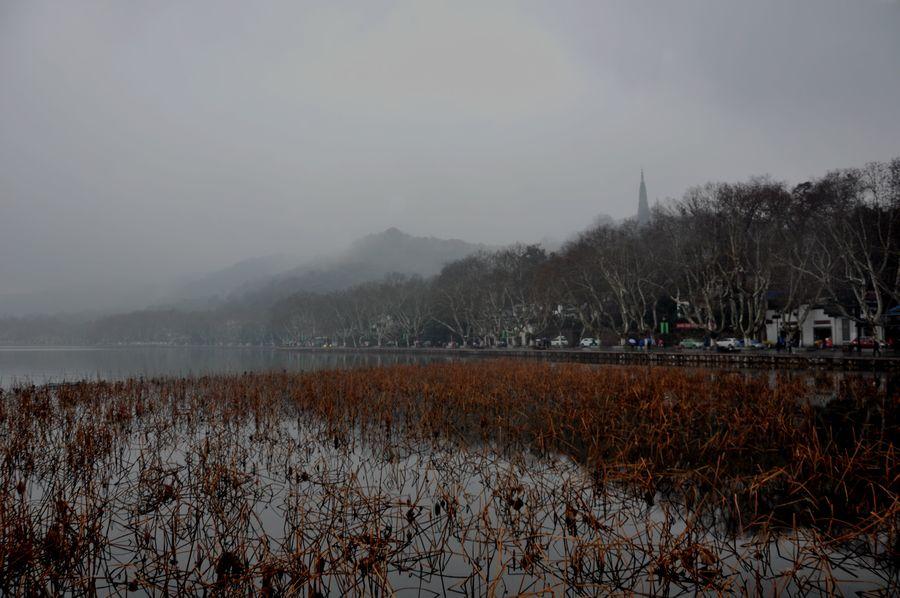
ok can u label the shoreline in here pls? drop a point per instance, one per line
(821, 360)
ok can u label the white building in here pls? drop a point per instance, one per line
(817, 325)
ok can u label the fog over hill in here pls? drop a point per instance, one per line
(77, 301)
(214, 287)
(397, 251)
(367, 259)
(141, 142)
(253, 281)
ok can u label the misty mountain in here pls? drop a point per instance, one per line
(80, 301)
(395, 251)
(214, 287)
(369, 258)
(254, 281)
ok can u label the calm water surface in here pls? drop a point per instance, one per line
(39, 365)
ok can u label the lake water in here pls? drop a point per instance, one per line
(227, 485)
(39, 365)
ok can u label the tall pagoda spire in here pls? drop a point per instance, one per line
(643, 214)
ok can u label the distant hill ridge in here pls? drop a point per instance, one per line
(255, 282)
(218, 285)
(368, 258)
(396, 251)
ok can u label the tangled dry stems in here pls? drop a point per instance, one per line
(477, 478)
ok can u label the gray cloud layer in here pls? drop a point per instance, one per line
(144, 140)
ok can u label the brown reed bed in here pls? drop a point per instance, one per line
(472, 478)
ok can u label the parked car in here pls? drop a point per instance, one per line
(754, 344)
(589, 342)
(866, 342)
(501, 344)
(691, 343)
(728, 344)
(641, 342)
(541, 343)
(559, 341)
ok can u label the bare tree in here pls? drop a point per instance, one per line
(725, 254)
(512, 300)
(749, 214)
(859, 225)
(690, 231)
(612, 280)
(412, 308)
(459, 297)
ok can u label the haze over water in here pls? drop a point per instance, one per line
(145, 143)
(38, 365)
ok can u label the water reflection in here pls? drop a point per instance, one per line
(40, 365)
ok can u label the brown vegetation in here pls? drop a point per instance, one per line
(479, 478)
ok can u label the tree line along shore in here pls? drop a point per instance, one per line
(817, 262)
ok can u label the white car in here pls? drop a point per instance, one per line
(589, 342)
(559, 341)
(728, 344)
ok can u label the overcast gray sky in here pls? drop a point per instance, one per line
(146, 140)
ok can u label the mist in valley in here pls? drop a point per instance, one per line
(199, 156)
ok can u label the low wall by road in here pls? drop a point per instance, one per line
(766, 359)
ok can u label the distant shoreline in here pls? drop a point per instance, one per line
(822, 359)
(834, 360)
